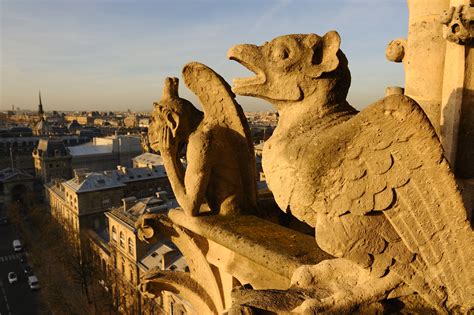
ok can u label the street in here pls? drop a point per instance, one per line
(15, 298)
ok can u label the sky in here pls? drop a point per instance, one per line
(114, 54)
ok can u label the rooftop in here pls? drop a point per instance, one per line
(90, 149)
(7, 174)
(149, 158)
(153, 258)
(130, 174)
(51, 147)
(133, 208)
(92, 181)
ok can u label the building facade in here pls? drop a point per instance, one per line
(15, 186)
(52, 160)
(80, 203)
(131, 258)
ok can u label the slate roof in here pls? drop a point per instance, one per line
(42, 127)
(174, 261)
(149, 159)
(92, 182)
(90, 149)
(126, 175)
(151, 204)
(51, 146)
(8, 174)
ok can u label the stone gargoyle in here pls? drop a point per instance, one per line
(374, 184)
(220, 172)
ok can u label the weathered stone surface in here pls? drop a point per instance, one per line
(265, 257)
(180, 283)
(423, 56)
(220, 172)
(374, 184)
(459, 24)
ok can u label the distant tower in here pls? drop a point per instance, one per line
(40, 106)
(42, 127)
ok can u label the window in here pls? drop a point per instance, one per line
(122, 239)
(106, 202)
(130, 245)
(131, 273)
(114, 233)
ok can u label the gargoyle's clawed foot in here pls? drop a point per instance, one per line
(246, 300)
(144, 288)
(339, 303)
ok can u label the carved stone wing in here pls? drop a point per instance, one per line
(221, 110)
(394, 165)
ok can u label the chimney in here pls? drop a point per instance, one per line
(128, 202)
(163, 195)
(80, 174)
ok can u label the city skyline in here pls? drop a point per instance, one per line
(114, 55)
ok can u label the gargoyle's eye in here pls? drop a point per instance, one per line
(280, 53)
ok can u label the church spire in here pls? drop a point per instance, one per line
(40, 106)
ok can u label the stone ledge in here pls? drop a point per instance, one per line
(270, 245)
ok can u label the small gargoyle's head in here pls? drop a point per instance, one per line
(287, 67)
(172, 112)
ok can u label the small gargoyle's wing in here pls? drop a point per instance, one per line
(221, 110)
(395, 165)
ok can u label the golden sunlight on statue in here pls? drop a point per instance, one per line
(220, 176)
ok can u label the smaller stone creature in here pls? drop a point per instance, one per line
(220, 173)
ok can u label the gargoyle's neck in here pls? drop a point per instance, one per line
(310, 111)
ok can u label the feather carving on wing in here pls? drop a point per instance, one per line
(397, 205)
(222, 114)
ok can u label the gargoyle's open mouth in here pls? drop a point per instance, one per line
(259, 77)
(248, 56)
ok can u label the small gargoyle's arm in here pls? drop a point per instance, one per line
(189, 188)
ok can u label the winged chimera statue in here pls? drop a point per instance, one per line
(374, 184)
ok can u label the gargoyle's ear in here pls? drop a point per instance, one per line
(172, 121)
(325, 50)
(170, 89)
